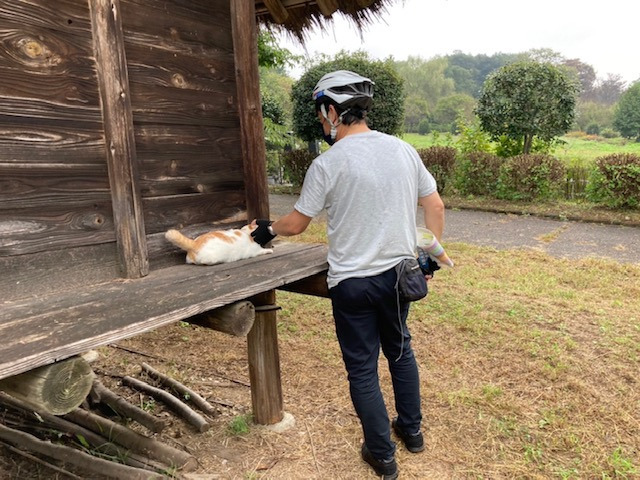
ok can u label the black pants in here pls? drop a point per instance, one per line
(367, 315)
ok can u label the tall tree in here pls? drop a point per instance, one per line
(608, 91)
(526, 100)
(627, 114)
(388, 100)
(585, 74)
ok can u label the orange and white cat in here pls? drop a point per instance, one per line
(219, 246)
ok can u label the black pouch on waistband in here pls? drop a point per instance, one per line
(411, 284)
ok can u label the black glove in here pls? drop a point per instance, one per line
(263, 234)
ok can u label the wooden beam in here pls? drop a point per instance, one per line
(328, 7)
(315, 285)
(245, 45)
(277, 10)
(113, 82)
(235, 319)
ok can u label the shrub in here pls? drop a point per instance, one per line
(593, 129)
(440, 161)
(616, 181)
(528, 177)
(424, 126)
(609, 133)
(296, 163)
(477, 173)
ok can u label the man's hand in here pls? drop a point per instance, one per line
(263, 233)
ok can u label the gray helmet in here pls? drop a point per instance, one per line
(346, 89)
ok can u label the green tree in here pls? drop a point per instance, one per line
(426, 78)
(526, 100)
(387, 112)
(453, 107)
(627, 113)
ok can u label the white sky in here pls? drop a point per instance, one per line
(603, 34)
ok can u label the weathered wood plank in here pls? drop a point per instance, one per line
(113, 81)
(188, 159)
(160, 105)
(39, 185)
(72, 221)
(68, 16)
(151, 65)
(36, 50)
(55, 142)
(51, 271)
(42, 330)
(178, 211)
(245, 40)
(167, 23)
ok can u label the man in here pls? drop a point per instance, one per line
(370, 184)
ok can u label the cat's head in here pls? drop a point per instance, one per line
(248, 228)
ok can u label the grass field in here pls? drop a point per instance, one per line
(577, 151)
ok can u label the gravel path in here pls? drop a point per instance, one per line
(556, 237)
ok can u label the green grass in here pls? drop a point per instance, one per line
(529, 364)
(577, 151)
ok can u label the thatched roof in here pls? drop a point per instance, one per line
(299, 16)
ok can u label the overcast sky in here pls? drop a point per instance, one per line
(603, 34)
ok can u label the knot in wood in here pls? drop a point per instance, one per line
(178, 80)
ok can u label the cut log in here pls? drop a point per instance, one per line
(41, 420)
(235, 319)
(179, 388)
(57, 388)
(74, 457)
(138, 443)
(119, 405)
(172, 402)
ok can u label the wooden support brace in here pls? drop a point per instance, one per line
(235, 319)
(264, 364)
(315, 285)
(277, 10)
(328, 7)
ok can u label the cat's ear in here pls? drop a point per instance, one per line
(248, 228)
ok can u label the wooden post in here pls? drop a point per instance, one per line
(113, 81)
(262, 340)
(264, 363)
(245, 45)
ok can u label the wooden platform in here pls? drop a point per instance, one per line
(44, 329)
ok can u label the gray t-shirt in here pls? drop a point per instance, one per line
(369, 183)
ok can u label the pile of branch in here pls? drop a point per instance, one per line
(94, 443)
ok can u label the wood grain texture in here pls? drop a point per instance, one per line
(41, 330)
(245, 41)
(118, 126)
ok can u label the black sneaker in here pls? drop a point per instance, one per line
(414, 443)
(388, 469)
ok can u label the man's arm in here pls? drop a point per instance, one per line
(433, 209)
(293, 223)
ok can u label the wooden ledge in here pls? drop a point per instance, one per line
(41, 330)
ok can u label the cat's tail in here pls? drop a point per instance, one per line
(179, 240)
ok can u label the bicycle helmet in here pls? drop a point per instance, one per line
(346, 89)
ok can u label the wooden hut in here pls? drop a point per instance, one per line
(120, 119)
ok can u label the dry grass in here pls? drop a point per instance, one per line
(529, 369)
